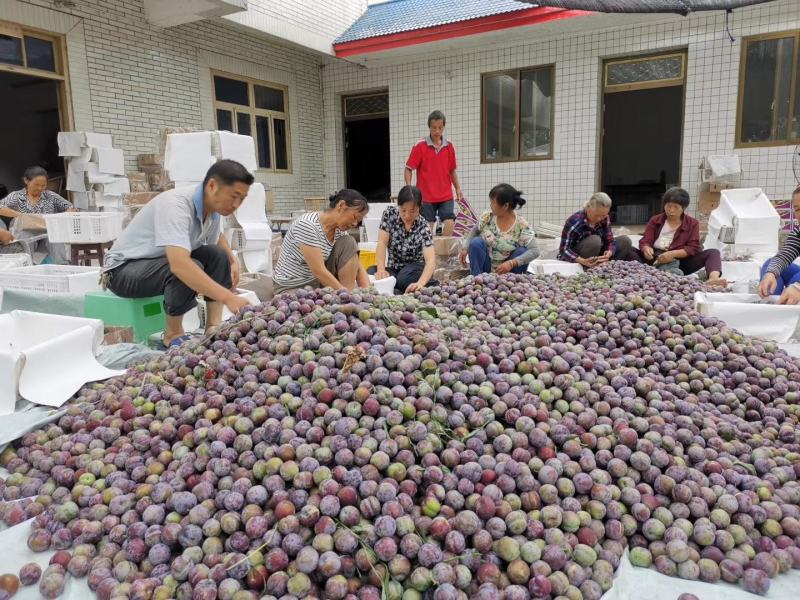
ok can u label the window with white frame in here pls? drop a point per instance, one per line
(257, 109)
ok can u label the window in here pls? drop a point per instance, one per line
(22, 48)
(769, 91)
(517, 121)
(259, 110)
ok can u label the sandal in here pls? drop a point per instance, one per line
(176, 342)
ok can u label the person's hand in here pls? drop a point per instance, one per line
(381, 274)
(72, 210)
(603, 258)
(505, 267)
(459, 195)
(236, 273)
(462, 256)
(767, 285)
(5, 237)
(664, 258)
(648, 253)
(587, 262)
(233, 303)
(790, 295)
(414, 287)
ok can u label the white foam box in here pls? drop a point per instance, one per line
(751, 213)
(741, 270)
(195, 319)
(745, 312)
(551, 267)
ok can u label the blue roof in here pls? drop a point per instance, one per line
(397, 16)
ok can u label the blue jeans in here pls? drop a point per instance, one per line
(481, 262)
(789, 276)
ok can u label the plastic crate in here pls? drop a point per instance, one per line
(52, 279)
(84, 228)
(14, 261)
(368, 258)
(144, 315)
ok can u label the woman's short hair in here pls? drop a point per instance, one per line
(409, 193)
(676, 195)
(32, 173)
(598, 200)
(506, 194)
(352, 199)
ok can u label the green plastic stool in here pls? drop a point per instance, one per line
(144, 315)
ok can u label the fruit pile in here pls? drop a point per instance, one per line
(497, 437)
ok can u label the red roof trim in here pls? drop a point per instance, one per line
(454, 30)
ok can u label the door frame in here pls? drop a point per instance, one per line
(349, 118)
(604, 89)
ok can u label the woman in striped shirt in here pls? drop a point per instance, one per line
(319, 252)
(779, 275)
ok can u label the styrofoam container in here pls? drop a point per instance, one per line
(772, 322)
(385, 286)
(376, 209)
(84, 227)
(372, 227)
(741, 270)
(52, 279)
(14, 261)
(751, 213)
(548, 267)
(249, 295)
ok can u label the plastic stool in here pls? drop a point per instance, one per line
(144, 315)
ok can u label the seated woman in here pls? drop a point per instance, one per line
(780, 275)
(587, 238)
(319, 252)
(674, 237)
(405, 244)
(36, 199)
(502, 241)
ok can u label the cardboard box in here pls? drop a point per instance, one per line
(118, 335)
(447, 246)
(150, 160)
(719, 186)
(707, 202)
(139, 198)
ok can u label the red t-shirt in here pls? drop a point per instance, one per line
(433, 170)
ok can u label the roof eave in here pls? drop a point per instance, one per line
(454, 30)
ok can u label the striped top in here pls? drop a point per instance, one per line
(788, 254)
(292, 270)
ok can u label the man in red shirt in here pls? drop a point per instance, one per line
(434, 160)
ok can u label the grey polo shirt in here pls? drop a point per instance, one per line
(173, 218)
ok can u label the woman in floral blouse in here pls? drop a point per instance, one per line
(405, 244)
(502, 241)
(36, 199)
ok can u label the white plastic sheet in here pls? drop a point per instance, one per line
(634, 583)
(76, 179)
(723, 166)
(240, 148)
(47, 358)
(549, 266)
(188, 156)
(742, 311)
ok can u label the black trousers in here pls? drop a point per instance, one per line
(406, 276)
(147, 277)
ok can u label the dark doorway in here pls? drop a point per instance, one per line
(29, 120)
(641, 148)
(366, 143)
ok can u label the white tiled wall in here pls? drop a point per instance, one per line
(555, 188)
(129, 79)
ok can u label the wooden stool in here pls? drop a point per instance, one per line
(85, 253)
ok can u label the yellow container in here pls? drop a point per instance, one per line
(368, 258)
